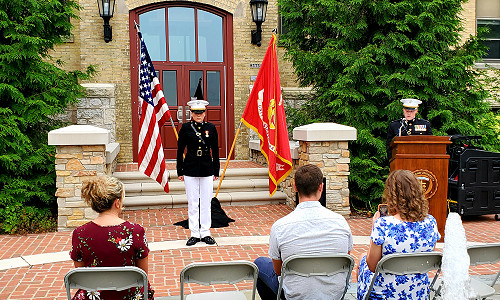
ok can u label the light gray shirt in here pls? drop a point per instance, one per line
(309, 229)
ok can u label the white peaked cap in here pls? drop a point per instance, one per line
(409, 102)
(197, 104)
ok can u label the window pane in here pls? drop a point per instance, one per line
(181, 36)
(194, 78)
(493, 27)
(487, 9)
(282, 29)
(209, 37)
(213, 87)
(493, 49)
(170, 87)
(153, 31)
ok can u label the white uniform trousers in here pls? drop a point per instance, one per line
(199, 192)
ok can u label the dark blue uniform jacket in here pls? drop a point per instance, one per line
(402, 127)
(202, 156)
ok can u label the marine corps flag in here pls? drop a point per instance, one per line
(265, 115)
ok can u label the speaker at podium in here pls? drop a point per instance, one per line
(426, 157)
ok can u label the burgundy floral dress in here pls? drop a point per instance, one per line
(109, 246)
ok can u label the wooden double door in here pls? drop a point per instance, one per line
(190, 44)
(179, 85)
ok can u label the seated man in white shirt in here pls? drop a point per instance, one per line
(310, 228)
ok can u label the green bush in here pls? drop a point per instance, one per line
(21, 220)
(362, 56)
(33, 88)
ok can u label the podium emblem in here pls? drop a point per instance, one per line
(428, 181)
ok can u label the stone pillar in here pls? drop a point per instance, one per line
(326, 145)
(81, 153)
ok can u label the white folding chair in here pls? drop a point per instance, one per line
(479, 255)
(209, 273)
(105, 278)
(317, 265)
(407, 263)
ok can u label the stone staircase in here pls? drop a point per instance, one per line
(241, 186)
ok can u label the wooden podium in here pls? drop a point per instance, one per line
(425, 156)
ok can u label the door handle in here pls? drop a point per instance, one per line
(179, 114)
(188, 114)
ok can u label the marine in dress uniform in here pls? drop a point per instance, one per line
(198, 169)
(408, 125)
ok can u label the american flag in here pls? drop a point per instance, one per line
(153, 114)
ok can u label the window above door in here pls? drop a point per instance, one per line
(194, 35)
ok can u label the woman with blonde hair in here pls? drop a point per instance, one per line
(108, 240)
(407, 228)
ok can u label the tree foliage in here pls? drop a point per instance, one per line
(362, 56)
(33, 88)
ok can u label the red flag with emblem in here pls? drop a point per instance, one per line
(265, 115)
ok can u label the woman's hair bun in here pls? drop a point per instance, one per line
(100, 192)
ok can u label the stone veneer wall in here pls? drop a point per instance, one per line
(333, 159)
(325, 145)
(98, 108)
(82, 152)
(74, 165)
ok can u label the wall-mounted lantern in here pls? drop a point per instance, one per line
(259, 9)
(106, 8)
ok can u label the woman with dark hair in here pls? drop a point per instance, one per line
(108, 240)
(407, 228)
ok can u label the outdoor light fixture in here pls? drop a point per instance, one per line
(106, 8)
(259, 8)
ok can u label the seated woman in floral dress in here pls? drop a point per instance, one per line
(407, 228)
(108, 240)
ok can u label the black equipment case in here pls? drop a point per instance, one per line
(473, 178)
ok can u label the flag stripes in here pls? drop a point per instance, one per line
(154, 113)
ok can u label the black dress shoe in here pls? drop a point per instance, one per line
(192, 240)
(208, 240)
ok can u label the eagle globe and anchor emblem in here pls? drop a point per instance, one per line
(428, 181)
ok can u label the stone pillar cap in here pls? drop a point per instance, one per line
(322, 132)
(75, 135)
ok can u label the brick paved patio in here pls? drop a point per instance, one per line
(45, 281)
(44, 278)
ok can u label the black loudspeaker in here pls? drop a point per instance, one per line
(322, 200)
(473, 179)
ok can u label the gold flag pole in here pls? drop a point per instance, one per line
(228, 158)
(174, 129)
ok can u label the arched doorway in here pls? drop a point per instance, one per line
(189, 44)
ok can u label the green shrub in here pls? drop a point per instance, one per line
(33, 88)
(362, 56)
(21, 220)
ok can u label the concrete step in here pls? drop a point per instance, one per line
(138, 176)
(241, 186)
(177, 187)
(225, 198)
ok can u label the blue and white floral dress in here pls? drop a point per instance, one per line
(396, 236)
